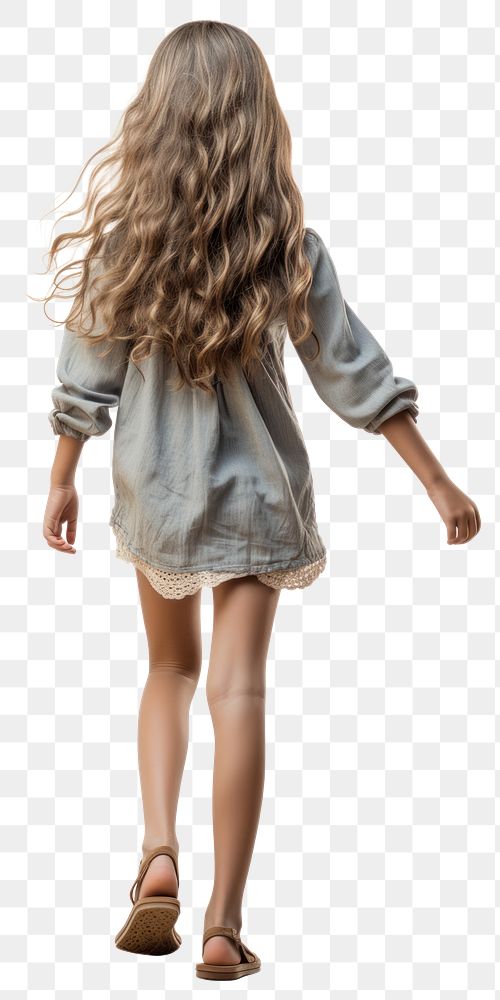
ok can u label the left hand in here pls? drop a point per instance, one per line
(62, 505)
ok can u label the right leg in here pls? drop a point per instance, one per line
(244, 611)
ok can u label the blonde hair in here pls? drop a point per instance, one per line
(198, 244)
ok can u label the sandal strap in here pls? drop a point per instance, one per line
(144, 865)
(233, 934)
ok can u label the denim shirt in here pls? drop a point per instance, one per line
(224, 482)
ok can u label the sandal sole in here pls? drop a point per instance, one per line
(204, 971)
(149, 928)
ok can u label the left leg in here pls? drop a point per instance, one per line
(175, 659)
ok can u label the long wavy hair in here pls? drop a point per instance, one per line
(196, 247)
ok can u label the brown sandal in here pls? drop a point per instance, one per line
(149, 927)
(249, 961)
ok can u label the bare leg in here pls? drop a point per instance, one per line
(244, 611)
(175, 657)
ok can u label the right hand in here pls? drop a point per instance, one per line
(62, 505)
(457, 510)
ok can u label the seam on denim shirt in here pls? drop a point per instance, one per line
(259, 568)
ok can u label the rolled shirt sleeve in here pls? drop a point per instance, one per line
(89, 385)
(352, 374)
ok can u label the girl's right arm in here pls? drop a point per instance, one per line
(459, 513)
(354, 376)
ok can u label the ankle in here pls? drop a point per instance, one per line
(220, 916)
(151, 843)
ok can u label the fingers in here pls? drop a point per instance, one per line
(457, 532)
(473, 525)
(53, 536)
(56, 542)
(464, 528)
(478, 518)
(71, 530)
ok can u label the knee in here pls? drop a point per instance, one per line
(232, 686)
(189, 668)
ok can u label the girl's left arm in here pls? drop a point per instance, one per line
(62, 501)
(88, 386)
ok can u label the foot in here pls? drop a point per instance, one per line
(160, 878)
(219, 950)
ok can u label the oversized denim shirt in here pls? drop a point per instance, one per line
(223, 482)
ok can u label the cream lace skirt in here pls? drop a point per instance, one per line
(176, 585)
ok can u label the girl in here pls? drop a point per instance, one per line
(198, 265)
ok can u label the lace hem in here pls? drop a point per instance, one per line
(176, 585)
